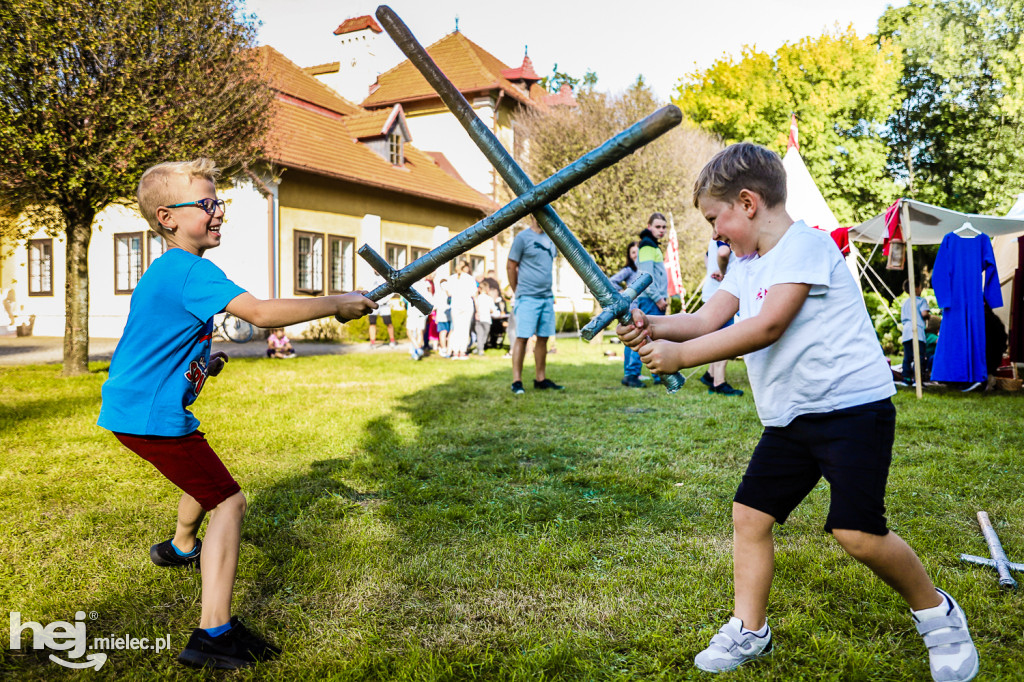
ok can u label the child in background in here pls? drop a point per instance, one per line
(822, 389)
(906, 319)
(416, 322)
(485, 308)
(159, 367)
(278, 345)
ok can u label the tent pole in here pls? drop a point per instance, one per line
(905, 227)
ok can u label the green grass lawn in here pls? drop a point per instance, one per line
(418, 521)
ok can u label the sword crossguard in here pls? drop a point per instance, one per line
(619, 309)
(392, 282)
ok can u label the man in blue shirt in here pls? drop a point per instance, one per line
(530, 262)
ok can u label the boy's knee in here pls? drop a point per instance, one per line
(856, 543)
(749, 521)
(236, 503)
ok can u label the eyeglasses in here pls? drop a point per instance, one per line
(208, 205)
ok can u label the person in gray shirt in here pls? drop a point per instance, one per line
(529, 268)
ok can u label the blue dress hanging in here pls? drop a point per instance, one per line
(964, 279)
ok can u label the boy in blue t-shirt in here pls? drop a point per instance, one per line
(822, 389)
(159, 368)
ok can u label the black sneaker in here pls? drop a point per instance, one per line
(633, 382)
(707, 380)
(517, 388)
(163, 554)
(236, 648)
(725, 389)
(547, 384)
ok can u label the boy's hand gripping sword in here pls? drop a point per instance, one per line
(614, 304)
(998, 561)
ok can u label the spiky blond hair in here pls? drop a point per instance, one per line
(157, 187)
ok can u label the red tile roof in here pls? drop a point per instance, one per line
(315, 130)
(563, 97)
(358, 24)
(467, 65)
(524, 72)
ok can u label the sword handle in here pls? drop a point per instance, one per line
(995, 550)
(673, 382)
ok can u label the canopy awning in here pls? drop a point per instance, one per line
(929, 224)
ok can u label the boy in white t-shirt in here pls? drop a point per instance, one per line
(822, 390)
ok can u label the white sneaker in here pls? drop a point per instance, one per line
(951, 651)
(731, 648)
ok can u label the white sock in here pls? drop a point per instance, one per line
(757, 633)
(933, 612)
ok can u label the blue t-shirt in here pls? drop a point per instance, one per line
(160, 364)
(535, 254)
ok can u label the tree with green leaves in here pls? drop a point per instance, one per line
(842, 88)
(557, 79)
(957, 138)
(608, 211)
(92, 92)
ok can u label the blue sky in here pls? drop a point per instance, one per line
(669, 39)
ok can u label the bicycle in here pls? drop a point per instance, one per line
(234, 329)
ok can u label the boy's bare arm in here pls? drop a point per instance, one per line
(682, 326)
(781, 305)
(281, 312)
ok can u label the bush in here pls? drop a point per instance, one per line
(329, 330)
(566, 322)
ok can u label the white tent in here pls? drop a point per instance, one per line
(922, 223)
(929, 224)
(803, 198)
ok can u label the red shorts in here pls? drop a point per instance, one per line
(189, 463)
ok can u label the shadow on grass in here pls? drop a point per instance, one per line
(491, 514)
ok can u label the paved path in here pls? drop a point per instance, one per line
(44, 350)
(41, 350)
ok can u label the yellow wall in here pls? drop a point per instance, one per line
(310, 203)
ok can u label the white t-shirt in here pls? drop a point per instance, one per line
(829, 357)
(414, 315)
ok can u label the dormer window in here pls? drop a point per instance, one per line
(395, 153)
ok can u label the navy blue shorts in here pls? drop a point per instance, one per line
(851, 448)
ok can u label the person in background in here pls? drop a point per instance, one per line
(278, 345)
(907, 311)
(484, 309)
(462, 288)
(384, 312)
(631, 364)
(719, 257)
(654, 299)
(529, 268)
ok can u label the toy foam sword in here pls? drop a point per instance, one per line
(998, 561)
(615, 305)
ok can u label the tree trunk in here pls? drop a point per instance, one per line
(78, 232)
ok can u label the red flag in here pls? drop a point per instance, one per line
(793, 142)
(675, 276)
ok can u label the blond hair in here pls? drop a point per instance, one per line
(157, 188)
(742, 166)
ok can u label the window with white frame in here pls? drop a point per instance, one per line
(40, 267)
(397, 255)
(155, 247)
(396, 153)
(127, 261)
(477, 265)
(309, 263)
(341, 258)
